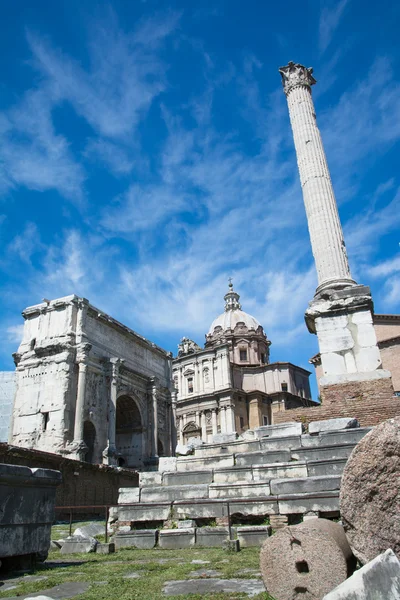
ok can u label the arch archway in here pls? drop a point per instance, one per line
(89, 437)
(128, 432)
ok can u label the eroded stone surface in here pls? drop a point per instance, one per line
(58, 592)
(251, 587)
(369, 497)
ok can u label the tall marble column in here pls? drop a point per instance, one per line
(341, 312)
(326, 233)
(174, 423)
(110, 452)
(82, 357)
(222, 419)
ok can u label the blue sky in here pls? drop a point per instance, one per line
(146, 156)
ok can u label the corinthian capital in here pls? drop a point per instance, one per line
(295, 75)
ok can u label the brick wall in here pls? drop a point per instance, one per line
(83, 483)
(371, 402)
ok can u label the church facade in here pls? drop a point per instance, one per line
(230, 385)
(91, 388)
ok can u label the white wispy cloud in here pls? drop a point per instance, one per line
(331, 14)
(26, 243)
(32, 153)
(124, 75)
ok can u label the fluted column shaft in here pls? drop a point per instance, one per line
(324, 225)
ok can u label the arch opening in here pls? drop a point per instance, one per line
(128, 432)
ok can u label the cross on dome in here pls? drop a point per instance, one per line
(232, 298)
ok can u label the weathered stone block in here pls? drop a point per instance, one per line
(347, 436)
(233, 475)
(377, 580)
(242, 489)
(193, 463)
(167, 463)
(76, 544)
(305, 485)
(304, 503)
(182, 492)
(27, 498)
(128, 495)
(280, 443)
(262, 508)
(187, 523)
(323, 452)
(333, 425)
(211, 536)
(224, 438)
(289, 429)
(262, 458)
(326, 467)
(90, 530)
(188, 478)
(176, 538)
(150, 478)
(105, 548)
(200, 510)
(144, 539)
(279, 471)
(145, 512)
(253, 535)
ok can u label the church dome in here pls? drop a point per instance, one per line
(233, 314)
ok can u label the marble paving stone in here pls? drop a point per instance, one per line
(59, 592)
(252, 572)
(200, 562)
(251, 587)
(131, 575)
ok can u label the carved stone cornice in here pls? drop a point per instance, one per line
(295, 75)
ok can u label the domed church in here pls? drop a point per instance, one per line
(230, 385)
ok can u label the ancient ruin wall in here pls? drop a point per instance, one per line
(371, 402)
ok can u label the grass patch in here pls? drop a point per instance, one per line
(154, 567)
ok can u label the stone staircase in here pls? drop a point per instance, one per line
(276, 473)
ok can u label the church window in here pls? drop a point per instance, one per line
(243, 354)
(176, 382)
(206, 375)
(190, 385)
(284, 387)
(263, 358)
(265, 420)
(241, 423)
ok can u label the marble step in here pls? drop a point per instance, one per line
(323, 452)
(195, 463)
(249, 459)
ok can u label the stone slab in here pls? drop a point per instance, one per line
(150, 478)
(305, 485)
(249, 459)
(243, 489)
(145, 539)
(280, 443)
(209, 537)
(347, 436)
(261, 508)
(326, 467)
(145, 512)
(253, 535)
(90, 530)
(200, 510)
(188, 478)
(233, 475)
(251, 587)
(167, 463)
(322, 452)
(283, 430)
(204, 573)
(105, 548)
(194, 463)
(316, 427)
(177, 492)
(174, 539)
(128, 495)
(377, 580)
(58, 592)
(187, 523)
(279, 471)
(223, 438)
(76, 544)
(304, 503)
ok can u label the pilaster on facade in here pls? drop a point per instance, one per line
(110, 453)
